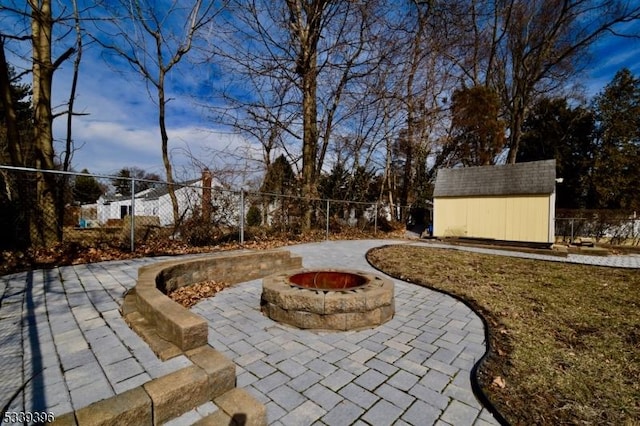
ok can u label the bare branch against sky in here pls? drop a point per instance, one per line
(364, 99)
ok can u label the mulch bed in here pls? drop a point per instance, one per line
(189, 295)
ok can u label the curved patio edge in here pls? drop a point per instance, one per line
(475, 384)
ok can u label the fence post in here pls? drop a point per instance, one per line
(571, 230)
(242, 216)
(375, 218)
(327, 231)
(132, 214)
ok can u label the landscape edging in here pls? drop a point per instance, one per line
(475, 384)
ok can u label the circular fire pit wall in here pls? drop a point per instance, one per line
(328, 280)
(330, 300)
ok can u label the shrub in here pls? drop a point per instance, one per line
(254, 216)
(198, 232)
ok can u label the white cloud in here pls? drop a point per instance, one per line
(121, 128)
(610, 54)
(107, 146)
(628, 56)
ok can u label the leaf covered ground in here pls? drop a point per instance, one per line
(565, 339)
(189, 295)
(88, 248)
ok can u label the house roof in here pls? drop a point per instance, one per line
(535, 177)
(160, 189)
(148, 194)
(163, 189)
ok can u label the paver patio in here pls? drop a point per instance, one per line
(64, 345)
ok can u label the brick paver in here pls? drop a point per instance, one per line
(398, 368)
(64, 345)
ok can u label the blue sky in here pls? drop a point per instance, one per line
(611, 55)
(121, 129)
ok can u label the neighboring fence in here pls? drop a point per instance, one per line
(208, 213)
(604, 227)
(204, 212)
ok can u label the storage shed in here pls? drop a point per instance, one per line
(513, 202)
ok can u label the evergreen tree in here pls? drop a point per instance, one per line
(279, 178)
(478, 135)
(14, 189)
(360, 185)
(144, 180)
(86, 189)
(122, 183)
(334, 186)
(21, 100)
(616, 176)
(553, 130)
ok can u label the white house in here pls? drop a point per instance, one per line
(193, 196)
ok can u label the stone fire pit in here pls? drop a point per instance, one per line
(328, 299)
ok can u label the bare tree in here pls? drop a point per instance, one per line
(45, 228)
(306, 23)
(266, 118)
(63, 194)
(421, 41)
(153, 38)
(323, 76)
(524, 48)
(297, 61)
(69, 145)
(44, 218)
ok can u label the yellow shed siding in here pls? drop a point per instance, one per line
(509, 218)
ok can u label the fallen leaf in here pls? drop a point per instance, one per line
(499, 382)
(189, 295)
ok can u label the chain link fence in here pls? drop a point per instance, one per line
(126, 212)
(40, 207)
(611, 227)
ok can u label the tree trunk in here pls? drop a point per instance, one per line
(517, 120)
(310, 142)
(408, 184)
(306, 26)
(45, 228)
(387, 180)
(165, 149)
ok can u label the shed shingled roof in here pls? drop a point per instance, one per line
(535, 177)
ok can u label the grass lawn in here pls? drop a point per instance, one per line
(565, 339)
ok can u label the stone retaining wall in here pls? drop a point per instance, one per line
(212, 377)
(180, 326)
(363, 307)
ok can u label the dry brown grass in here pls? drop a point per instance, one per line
(565, 338)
